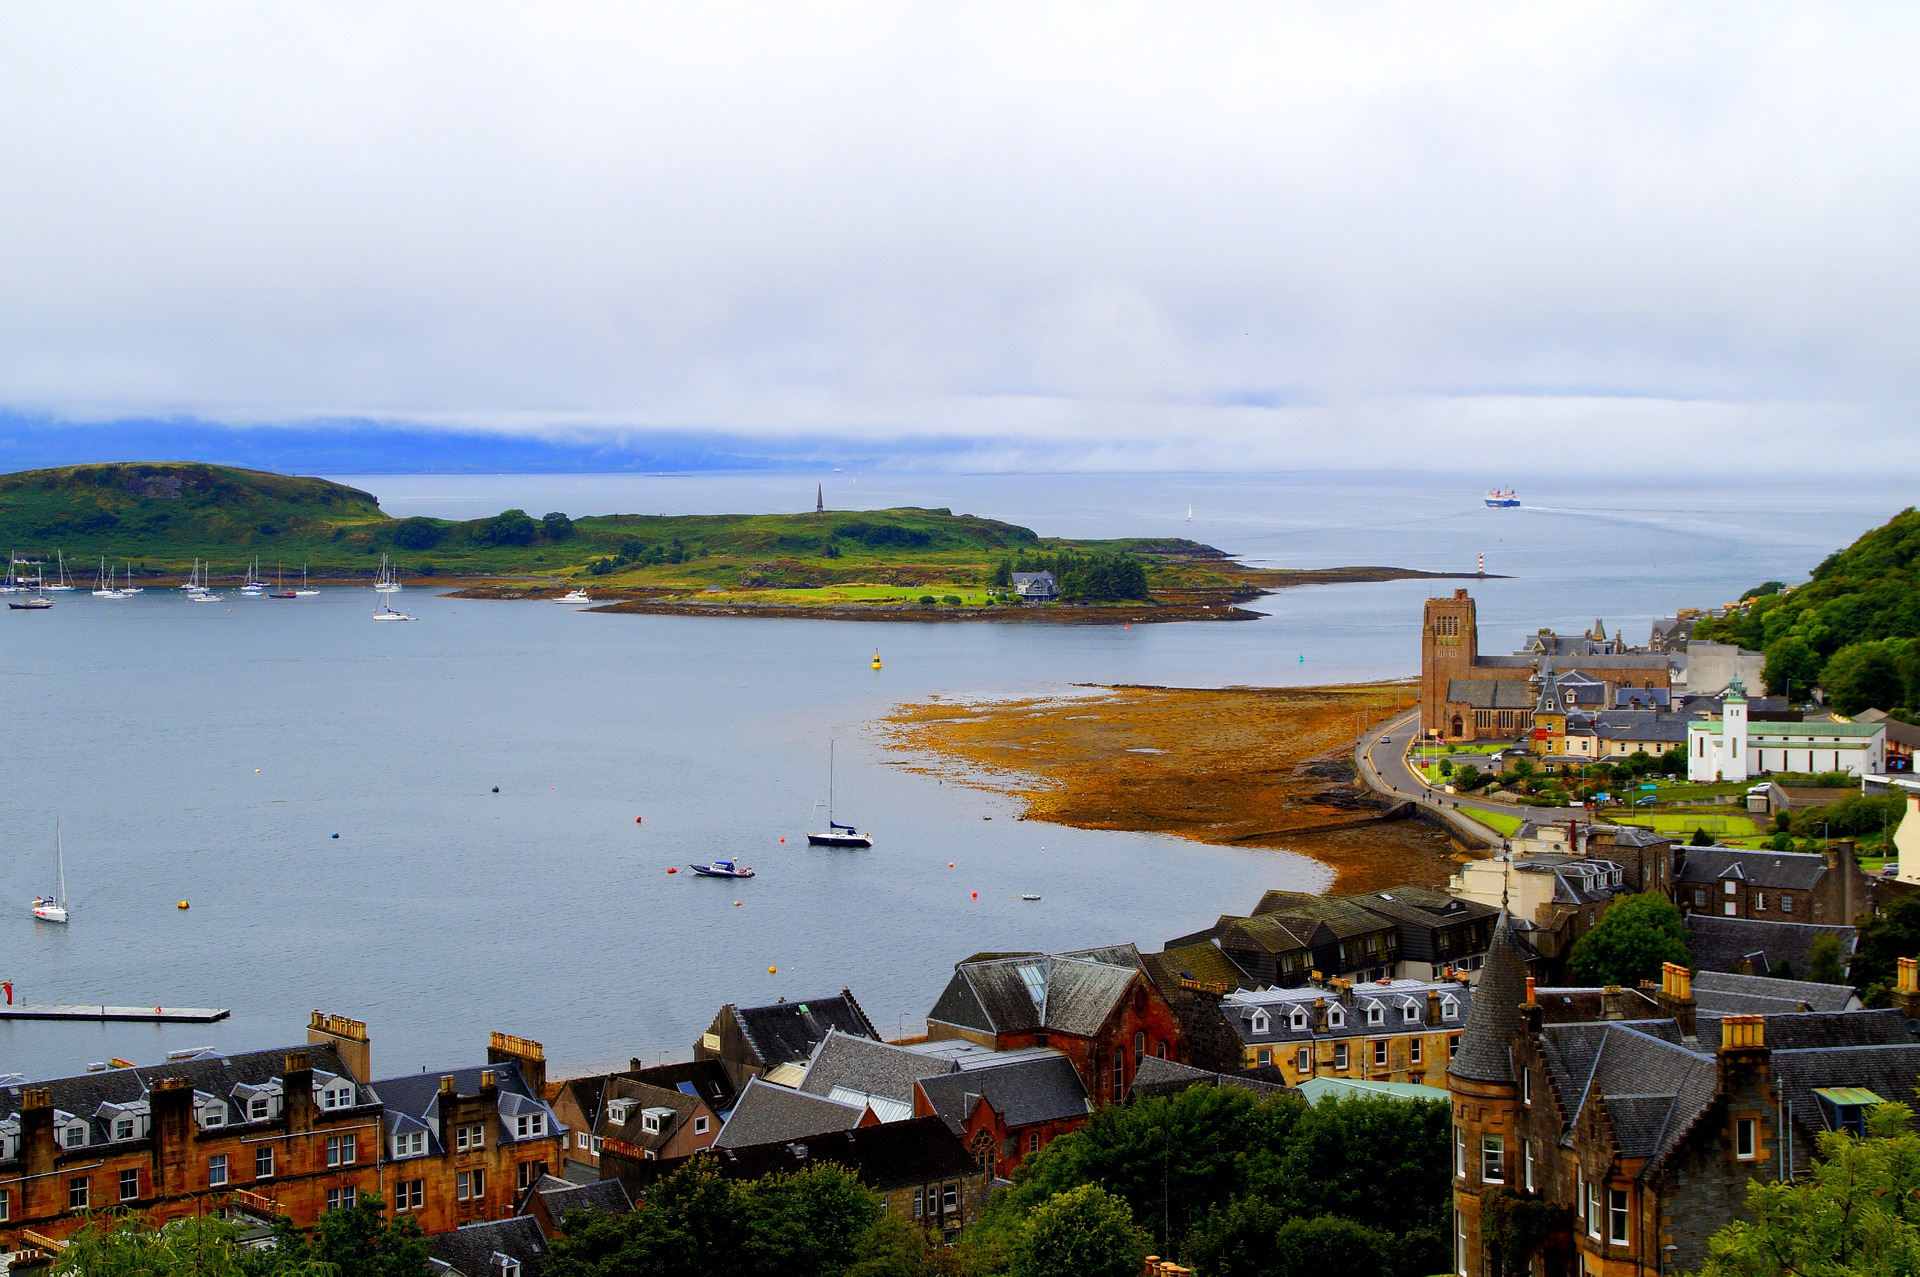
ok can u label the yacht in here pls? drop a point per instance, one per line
(575, 596)
(388, 614)
(54, 908)
(306, 589)
(61, 584)
(389, 582)
(836, 834)
(253, 586)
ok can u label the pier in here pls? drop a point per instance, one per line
(154, 1015)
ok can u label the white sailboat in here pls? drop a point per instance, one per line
(103, 583)
(387, 613)
(54, 908)
(253, 586)
(305, 588)
(127, 586)
(389, 582)
(62, 585)
(836, 834)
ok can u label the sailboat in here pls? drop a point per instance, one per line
(1189, 513)
(103, 584)
(389, 582)
(387, 613)
(305, 588)
(32, 603)
(62, 585)
(54, 908)
(253, 586)
(837, 834)
(126, 582)
(280, 590)
(10, 584)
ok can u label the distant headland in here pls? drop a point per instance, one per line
(909, 564)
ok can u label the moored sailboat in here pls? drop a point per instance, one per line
(54, 908)
(835, 834)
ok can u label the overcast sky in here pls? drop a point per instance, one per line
(1189, 236)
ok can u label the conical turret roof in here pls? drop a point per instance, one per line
(1486, 1045)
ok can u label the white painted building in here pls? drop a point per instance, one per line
(1732, 748)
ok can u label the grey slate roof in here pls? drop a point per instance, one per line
(787, 1032)
(608, 1195)
(1722, 944)
(1651, 1087)
(1166, 1077)
(1800, 871)
(1033, 991)
(1709, 987)
(645, 1096)
(1485, 1053)
(470, 1251)
(1023, 1092)
(1888, 1071)
(871, 1068)
(706, 1079)
(1490, 693)
(894, 1155)
(767, 1113)
(413, 1101)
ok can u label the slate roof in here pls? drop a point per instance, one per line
(1022, 1092)
(1710, 986)
(1721, 944)
(1822, 1030)
(645, 1096)
(1035, 991)
(1888, 1071)
(470, 1251)
(1799, 871)
(1203, 962)
(787, 1032)
(1639, 725)
(1490, 693)
(843, 1067)
(1244, 1009)
(1898, 732)
(413, 1101)
(1485, 1053)
(706, 1079)
(1167, 1077)
(893, 1155)
(1652, 1088)
(210, 1075)
(608, 1195)
(766, 1112)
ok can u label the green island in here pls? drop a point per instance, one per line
(153, 519)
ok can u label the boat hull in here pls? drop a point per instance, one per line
(1503, 503)
(50, 913)
(714, 871)
(840, 840)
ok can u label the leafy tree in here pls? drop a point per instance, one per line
(1864, 675)
(418, 533)
(509, 527)
(556, 525)
(131, 1247)
(1701, 838)
(1891, 934)
(1002, 577)
(1254, 1238)
(1086, 1231)
(1633, 939)
(1673, 763)
(360, 1240)
(1851, 817)
(1761, 591)
(1791, 662)
(1470, 778)
(1858, 1213)
(1824, 961)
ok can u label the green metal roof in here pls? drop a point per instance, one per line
(1316, 1089)
(1845, 1096)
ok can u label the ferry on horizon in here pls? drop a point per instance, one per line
(1502, 500)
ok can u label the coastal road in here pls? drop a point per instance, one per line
(1381, 760)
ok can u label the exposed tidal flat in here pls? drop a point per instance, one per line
(444, 910)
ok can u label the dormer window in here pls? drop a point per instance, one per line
(337, 1095)
(1299, 1020)
(1336, 1018)
(1261, 1022)
(122, 1128)
(213, 1115)
(74, 1136)
(1376, 1014)
(1449, 1008)
(410, 1144)
(619, 1112)
(530, 1126)
(259, 1108)
(650, 1122)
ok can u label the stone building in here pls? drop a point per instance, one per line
(1384, 1031)
(1646, 1116)
(1826, 888)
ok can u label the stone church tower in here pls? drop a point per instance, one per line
(1449, 645)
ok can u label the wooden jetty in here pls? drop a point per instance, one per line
(157, 1015)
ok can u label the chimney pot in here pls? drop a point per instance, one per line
(486, 1079)
(446, 1084)
(1909, 981)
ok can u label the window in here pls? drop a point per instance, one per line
(213, 1115)
(1700, 897)
(950, 1199)
(1336, 1018)
(1376, 1014)
(74, 1136)
(78, 1193)
(410, 1194)
(1119, 1073)
(470, 1185)
(1744, 1141)
(1593, 1211)
(1264, 1056)
(338, 1096)
(342, 1150)
(1460, 1244)
(917, 1208)
(1410, 1013)
(530, 1126)
(596, 1145)
(342, 1198)
(523, 1175)
(1727, 886)
(509, 1266)
(1526, 1148)
(1493, 1154)
(467, 1137)
(1379, 1053)
(1299, 1020)
(6, 1206)
(123, 1128)
(1729, 909)
(1526, 1087)
(258, 1107)
(1786, 903)
(1303, 1060)
(1340, 1055)
(1459, 1153)
(1449, 1008)
(1617, 1216)
(1033, 1141)
(263, 1162)
(1453, 1046)
(1139, 1047)
(129, 1185)
(1759, 901)
(700, 1125)
(216, 1170)
(413, 1143)
(1260, 1022)
(1413, 1050)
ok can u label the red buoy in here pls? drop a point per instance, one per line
(638, 819)
(976, 895)
(672, 870)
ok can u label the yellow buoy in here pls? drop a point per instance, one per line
(876, 658)
(183, 904)
(773, 970)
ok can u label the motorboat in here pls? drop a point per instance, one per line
(1031, 895)
(54, 908)
(723, 869)
(1502, 499)
(389, 614)
(575, 596)
(835, 834)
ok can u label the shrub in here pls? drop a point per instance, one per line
(925, 600)
(951, 600)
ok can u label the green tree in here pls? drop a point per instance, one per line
(1085, 1231)
(1858, 1213)
(1701, 838)
(1869, 675)
(1791, 662)
(417, 533)
(1635, 937)
(556, 525)
(509, 527)
(1825, 964)
(360, 1240)
(199, 1246)
(1891, 934)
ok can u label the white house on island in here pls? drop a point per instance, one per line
(1732, 748)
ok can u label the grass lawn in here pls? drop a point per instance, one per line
(1728, 824)
(1498, 821)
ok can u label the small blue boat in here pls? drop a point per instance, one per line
(724, 869)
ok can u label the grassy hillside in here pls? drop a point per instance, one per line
(161, 516)
(1854, 628)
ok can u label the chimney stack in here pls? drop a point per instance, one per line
(1743, 1048)
(1676, 998)
(1906, 989)
(504, 1048)
(348, 1038)
(1433, 1006)
(1612, 1003)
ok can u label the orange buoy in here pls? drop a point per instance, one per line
(949, 864)
(183, 904)
(672, 869)
(773, 970)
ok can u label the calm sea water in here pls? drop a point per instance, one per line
(212, 753)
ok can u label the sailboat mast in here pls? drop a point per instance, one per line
(60, 861)
(830, 745)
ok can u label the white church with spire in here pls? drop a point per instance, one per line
(1731, 747)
